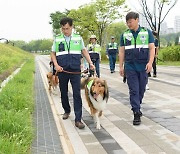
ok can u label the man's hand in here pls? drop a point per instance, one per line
(148, 67)
(121, 71)
(92, 67)
(107, 56)
(58, 68)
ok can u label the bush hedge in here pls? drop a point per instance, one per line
(171, 53)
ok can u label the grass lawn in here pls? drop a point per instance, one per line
(16, 108)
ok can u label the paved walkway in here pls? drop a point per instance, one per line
(47, 138)
(159, 132)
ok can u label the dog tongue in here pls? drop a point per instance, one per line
(95, 96)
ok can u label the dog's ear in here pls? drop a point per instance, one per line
(84, 82)
(106, 90)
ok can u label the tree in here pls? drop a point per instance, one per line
(91, 18)
(55, 19)
(84, 21)
(177, 40)
(21, 44)
(115, 29)
(94, 18)
(107, 11)
(156, 15)
(45, 45)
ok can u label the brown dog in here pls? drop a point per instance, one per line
(97, 94)
(52, 81)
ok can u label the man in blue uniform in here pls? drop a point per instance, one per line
(111, 52)
(94, 50)
(136, 56)
(66, 56)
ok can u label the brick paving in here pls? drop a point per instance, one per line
(158, 133)
(47, 138)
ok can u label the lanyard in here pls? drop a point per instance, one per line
(68, 45)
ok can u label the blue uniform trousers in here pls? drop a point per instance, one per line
(137, 83)
(74, 79)
(112, 61)
(96, 63)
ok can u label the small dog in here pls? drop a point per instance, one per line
(97, 94)
(52, 81)
(52, 77)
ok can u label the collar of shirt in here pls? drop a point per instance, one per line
(135, 33)
(67, 38)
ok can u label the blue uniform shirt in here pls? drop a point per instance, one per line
(136, 66)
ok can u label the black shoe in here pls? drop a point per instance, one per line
(154, 75)
(140, 113)
(79, 124)
(137, 118)
(66, 116)
(112, 72)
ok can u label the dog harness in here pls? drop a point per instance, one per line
(89, 85)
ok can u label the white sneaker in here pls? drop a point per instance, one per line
(147, 87)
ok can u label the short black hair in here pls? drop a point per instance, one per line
(66, 20)
(132, 15)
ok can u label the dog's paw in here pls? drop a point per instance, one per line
(98, 127)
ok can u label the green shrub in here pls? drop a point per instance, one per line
(171, 53)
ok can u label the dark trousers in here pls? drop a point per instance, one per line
(112, 61)
(96, 63)
(74, 79)
(154, 66)
(137, 83)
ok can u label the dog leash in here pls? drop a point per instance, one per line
(71, 72)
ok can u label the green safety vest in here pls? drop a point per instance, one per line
(96, 48)
(63, 47)
(68, 54)
(136, 50)
(112, 46)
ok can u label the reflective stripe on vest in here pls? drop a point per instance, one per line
(137, 46)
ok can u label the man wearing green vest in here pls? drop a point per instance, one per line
(94, 50)
(136, 56)
(66, 56)
(111, 52)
